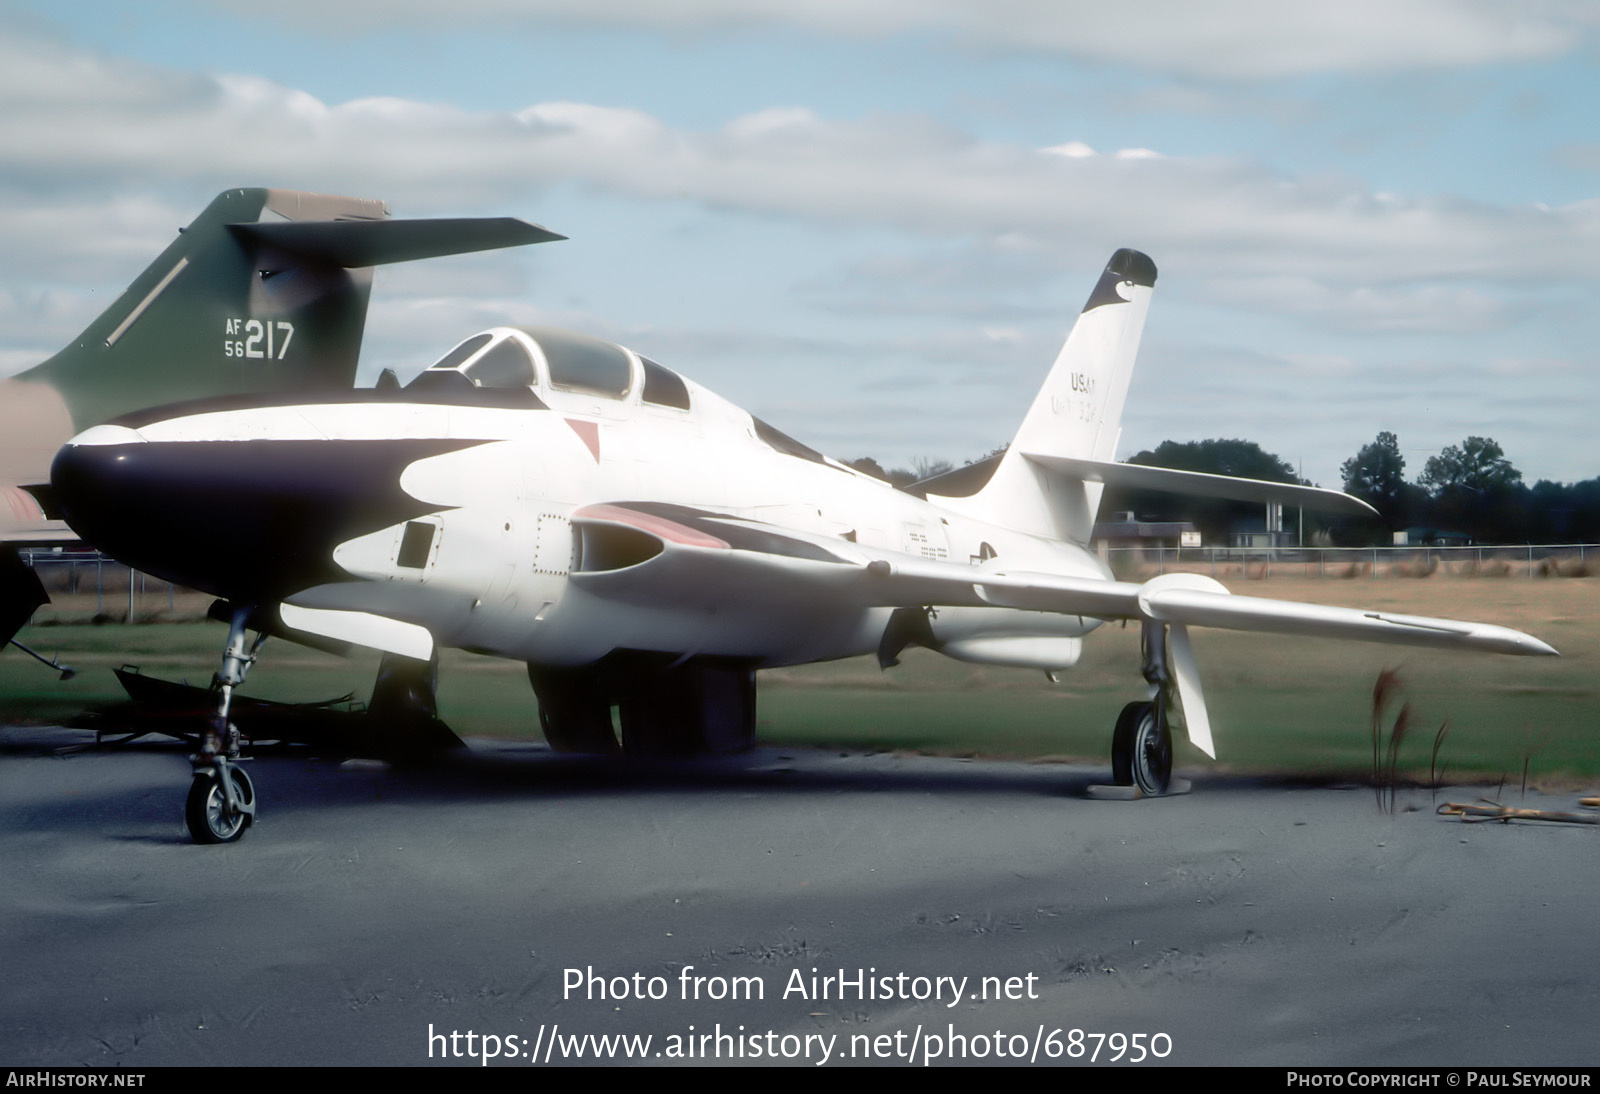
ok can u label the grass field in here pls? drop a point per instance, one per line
(1285, 705)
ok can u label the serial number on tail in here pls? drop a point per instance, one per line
(263, 340)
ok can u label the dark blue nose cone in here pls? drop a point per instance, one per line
(249, 520)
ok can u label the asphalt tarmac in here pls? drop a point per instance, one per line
(806, 908)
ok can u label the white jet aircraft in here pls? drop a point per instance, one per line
(642, 543)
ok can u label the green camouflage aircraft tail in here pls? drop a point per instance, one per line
(266, 290)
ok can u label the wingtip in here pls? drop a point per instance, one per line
(1526, 645)
(538, 232)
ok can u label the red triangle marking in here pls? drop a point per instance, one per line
(589, 434)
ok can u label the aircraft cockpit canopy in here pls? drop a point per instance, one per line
(508, 358)
(579, 362)
(504, 364)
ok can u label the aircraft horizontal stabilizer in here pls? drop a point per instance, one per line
(356, 243)
(1138, 477)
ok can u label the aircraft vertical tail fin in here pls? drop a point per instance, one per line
(266, 290)
(220, 313)
(1077, 414)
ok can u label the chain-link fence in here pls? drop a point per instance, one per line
(1526, 560)
(75, 578)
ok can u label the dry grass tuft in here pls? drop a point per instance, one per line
(1386, 755)
(1417, 567)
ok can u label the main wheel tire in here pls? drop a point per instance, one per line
(574, 710)
(703, 707)
(1141, 750)
(206, 811)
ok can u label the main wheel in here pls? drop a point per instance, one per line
(1141, 750)
(207, 808)
(705, 706)
(574, 710)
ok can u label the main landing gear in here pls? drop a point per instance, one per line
(1141, 748)
(667, 707)
(222, 800)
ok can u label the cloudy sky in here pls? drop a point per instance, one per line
(872, 221)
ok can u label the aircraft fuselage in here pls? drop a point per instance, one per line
(545, 525)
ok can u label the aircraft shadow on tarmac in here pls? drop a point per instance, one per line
(126, 787)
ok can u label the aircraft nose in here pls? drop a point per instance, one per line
(90, 478)
(250, 520)
(179, 510)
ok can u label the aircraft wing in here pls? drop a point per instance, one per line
(670, 554)
(1198, 601)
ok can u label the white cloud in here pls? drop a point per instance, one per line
(1075, 150)
(899, 172)
(1221, 39)
(1388, 309)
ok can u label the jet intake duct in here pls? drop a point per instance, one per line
(603, 546)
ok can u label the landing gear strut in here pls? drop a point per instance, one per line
(1141, 748)
(222, 800)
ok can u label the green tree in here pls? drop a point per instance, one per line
(1377, 475)
(1478, 465)
(898, 476)
(1216, 456)
(1476, 490)
(1219, 456)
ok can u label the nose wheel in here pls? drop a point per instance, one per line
(221, 805)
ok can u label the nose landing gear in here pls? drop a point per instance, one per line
(222, 799)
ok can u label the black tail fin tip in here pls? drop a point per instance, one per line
(1130, 265)
(1126, 267)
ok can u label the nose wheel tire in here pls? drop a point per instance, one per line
(207, 813)
(1141, 750)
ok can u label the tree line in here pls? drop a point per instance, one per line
(1470, 488)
